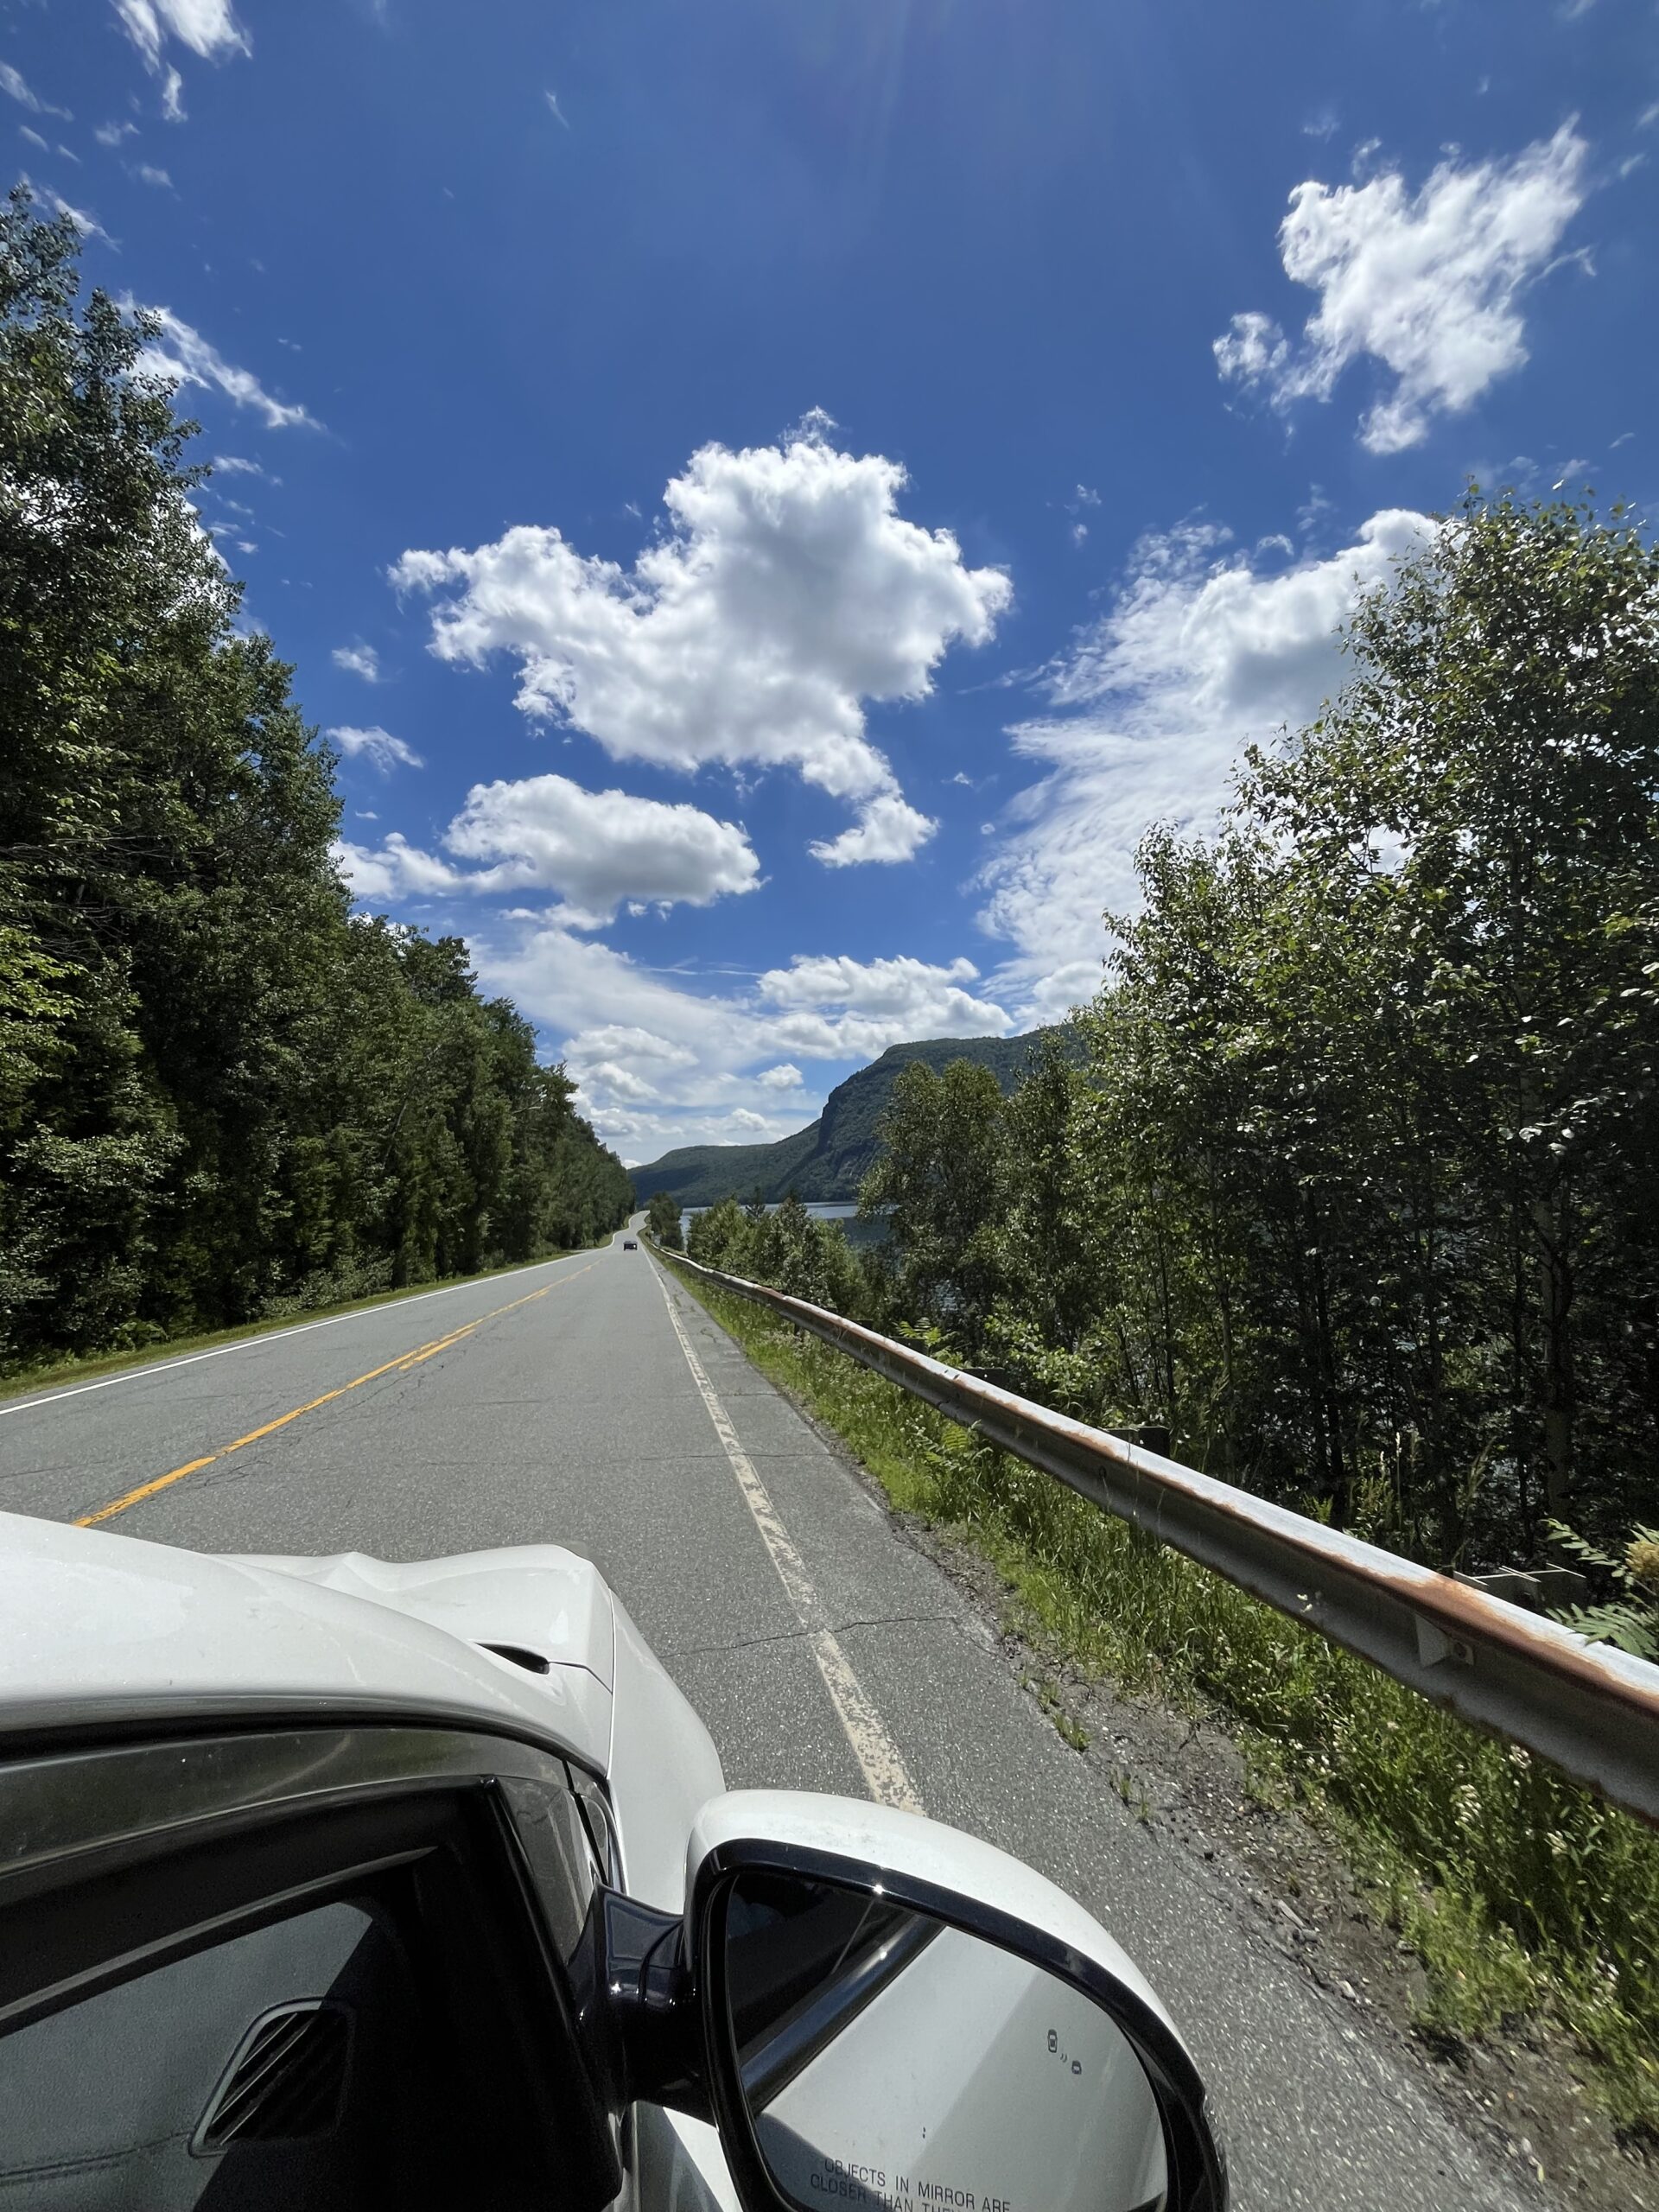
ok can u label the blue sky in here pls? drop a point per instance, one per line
(770, 497)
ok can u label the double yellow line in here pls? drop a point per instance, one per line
(401, 1365)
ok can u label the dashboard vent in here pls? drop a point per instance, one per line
(287, 2081)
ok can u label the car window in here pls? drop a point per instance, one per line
(294, 2063)
(358, 2006)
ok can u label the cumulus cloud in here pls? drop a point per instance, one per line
(831, 1007)
(786, 592)
(357, 658)
(184, 357)
(595, 848)
(723, 1068)
(1199, 653)
(376, 746)
(1429, 286)
(889, 829)
(13, 85)
(208, 28)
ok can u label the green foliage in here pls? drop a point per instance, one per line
(1523, 1893)
(936, 1182)
(220, 1097)
(784, 1246)
(663, 1219)
(1354, 1186)
(1629, 1615)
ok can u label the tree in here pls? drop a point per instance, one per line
(936, 1182)
(220, 1095)
(663, 1220)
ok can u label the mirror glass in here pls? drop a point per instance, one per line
(891, 2063)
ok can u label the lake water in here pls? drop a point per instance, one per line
(858, 1232)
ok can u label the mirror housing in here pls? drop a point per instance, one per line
(912, 1867)
(653, 1995)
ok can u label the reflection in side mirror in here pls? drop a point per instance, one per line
(888, 2062)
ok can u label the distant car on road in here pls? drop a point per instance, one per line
(630, 1245)
(339, 1882)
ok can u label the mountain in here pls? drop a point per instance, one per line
(827, 1161)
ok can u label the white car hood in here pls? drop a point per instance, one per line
(99, 1629)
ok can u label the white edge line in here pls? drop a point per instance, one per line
(278, 1336)
(874, 1750)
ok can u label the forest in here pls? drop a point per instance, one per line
(1352, 1185)
(223, 1096)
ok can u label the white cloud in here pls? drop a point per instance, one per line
(889, 829)
(34, 137)
(786, 592)
(833, 1005)
(12, 83)
(357, 658)
(230, 464)
(785, 1077)
(711, 1060)
(185, 356)
(112, 134)
(595, 848)
(1429, 286)
(208, 28)
(147, 175)
(556, 112)
(172, 98)
(376, 746)
(1199, 653)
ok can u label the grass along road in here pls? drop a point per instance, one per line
(1533, 1907)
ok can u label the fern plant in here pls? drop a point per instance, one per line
(1630, 1616)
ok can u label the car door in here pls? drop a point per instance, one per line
(299, 1968)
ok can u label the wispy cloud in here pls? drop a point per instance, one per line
(558, 112)
(208, 28)
(12, 83)
(184, 355)
(376, 746)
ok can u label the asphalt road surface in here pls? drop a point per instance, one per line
(562, 1403)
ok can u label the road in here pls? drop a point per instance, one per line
(560, 1403)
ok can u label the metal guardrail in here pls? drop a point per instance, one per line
(1588, 1708)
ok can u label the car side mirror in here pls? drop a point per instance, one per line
(881, 2014)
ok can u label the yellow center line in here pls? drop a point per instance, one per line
(400, 1365)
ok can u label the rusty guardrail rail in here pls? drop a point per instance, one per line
(1589, 1709)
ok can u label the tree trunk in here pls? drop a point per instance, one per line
(1555, 1304)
